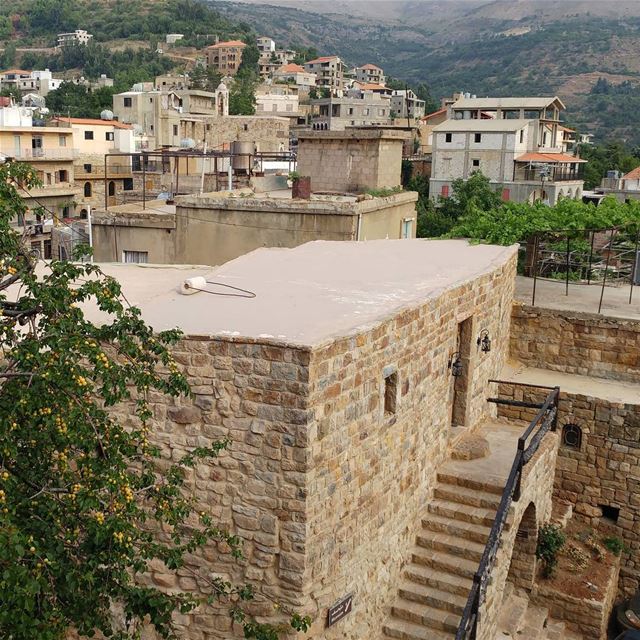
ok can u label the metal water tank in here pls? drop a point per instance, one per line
(242, 153)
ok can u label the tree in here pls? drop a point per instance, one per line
(8, 56)
(467, 196)
(87, 503)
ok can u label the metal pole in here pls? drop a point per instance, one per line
(215, 170)
(566, 291)
(178, 173)
(535, 269)
(90, 232)
(636, 266)
(204, 159)
(144, 182)
(593, 237)
(606, 268)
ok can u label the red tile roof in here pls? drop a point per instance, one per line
(323, 59)
(548, 157)
(291, 68)
(434, 114)
(372, 86)
(634, 174)
(371, 67)
(93, 121)
(229, 43)
(21, 72)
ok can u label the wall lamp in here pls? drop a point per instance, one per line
(484, 341)
(455, 364)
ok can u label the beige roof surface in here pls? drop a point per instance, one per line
(536, 102)
(309, 294)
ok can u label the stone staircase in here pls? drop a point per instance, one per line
(521, 619)
(436, 583)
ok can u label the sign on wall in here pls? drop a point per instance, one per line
(339, 610)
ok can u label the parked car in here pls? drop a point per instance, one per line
(630, 634)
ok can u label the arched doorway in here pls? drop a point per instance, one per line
(112, 188)
(522, 569)
(87, 190)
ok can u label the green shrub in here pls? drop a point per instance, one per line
(550, 540)
(614, 544)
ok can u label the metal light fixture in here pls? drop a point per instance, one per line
(455, 364)
(484, 341)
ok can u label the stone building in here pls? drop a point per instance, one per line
(353, 161)
(329, 72)
(370, 74)
(334, 383)
(356, 108)
(225, 57)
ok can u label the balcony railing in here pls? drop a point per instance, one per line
(26, 155)
(534, 174)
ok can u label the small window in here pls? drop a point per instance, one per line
(407, 228)
(475, 163)
(87, 190)
(109, 136)
(448, 137)
(610, 513)
(572, 436)
(62, 141)
(112, 188)
(87, 168)
(127, 102)
(127, 184)
(390, 393)
(444, 191)
(136, 257)
(63, 176)
(245, 127)
(521, 136)
(477, 137)
(88, 135)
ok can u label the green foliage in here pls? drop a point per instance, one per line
(470, 196)
(608, 157)
(550, 540)
(304, 54)
(77, 102)
(614, 544)
(206, 78)
(384, 193)
(242, 96)
(87, 502)
(8, 56)
(11, 92)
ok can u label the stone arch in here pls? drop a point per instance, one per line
(570, 425)
(522, 569)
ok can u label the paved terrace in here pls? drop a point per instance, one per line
(582, 297)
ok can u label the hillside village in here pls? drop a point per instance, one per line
(409, 333)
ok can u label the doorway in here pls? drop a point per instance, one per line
(461, 373)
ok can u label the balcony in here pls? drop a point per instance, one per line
(30, 155)
(549, 174)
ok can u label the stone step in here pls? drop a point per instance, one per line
(470, 483)
(471, 497)
(444, 562)
(511, 617)
(555, 630)
(439, 579)
(534, 622)
(426, 616)
(466, 530)
(449, 544)
(403, 630)
(465, 513)
(432, 597)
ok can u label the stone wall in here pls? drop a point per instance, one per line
(603, 471)
(589, 617)
(572, 342)
(372, 470)
(350, 161)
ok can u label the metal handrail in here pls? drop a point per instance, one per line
(545, 420)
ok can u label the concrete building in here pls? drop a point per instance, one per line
(515, 142)
(93, 140)
(225, 57)
(623, 188)
(370, 74)
(406, 104)
(353, 161)
(356, 108)
(214, 228)
(280, 100)
(40, 82)
(51, 153)
(171, 82)
(329, 72)
(172, 38)
(295, 74)
(266, 45)
(79, 36)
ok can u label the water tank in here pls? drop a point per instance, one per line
(106, 115)
(187, 143)
(242, 152)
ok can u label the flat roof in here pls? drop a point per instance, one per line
(306, 295)
(535, 102)
(355, 133)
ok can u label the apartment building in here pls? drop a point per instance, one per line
(370, 74)
(51, 153)
(295, 74)
(329, 72)
(281, 100)
(37, 81)
(516, 142)
(406, 104)
(79, 36)
(356, 108)
(225, 57)
(266, 45)
(98, 177)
